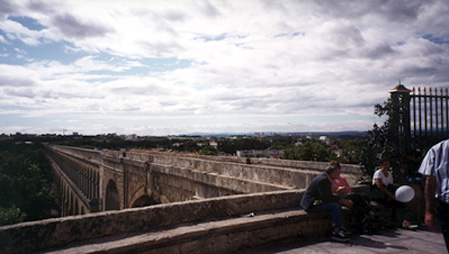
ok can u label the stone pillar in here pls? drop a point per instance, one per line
(400, 118)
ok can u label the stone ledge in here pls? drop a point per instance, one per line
(32, 236)
(212, 236)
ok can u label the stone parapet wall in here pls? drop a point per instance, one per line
(307, 165)
(292, 173)
(216, 236)
(32, 236)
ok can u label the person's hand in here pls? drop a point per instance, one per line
(340, 190)
(392, 197)
(346, 202)
(429, 219)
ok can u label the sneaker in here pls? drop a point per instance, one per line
(340, 236)
(346, 231)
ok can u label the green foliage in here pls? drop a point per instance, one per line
(380, 141)
(11, 215)
(26, 181)
(351, 151)
(190, 146)
(208, 150)
(231, 146)
(310, 151)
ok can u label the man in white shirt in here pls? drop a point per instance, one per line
(435, 167)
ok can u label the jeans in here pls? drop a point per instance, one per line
(442, 212)
(334, 209)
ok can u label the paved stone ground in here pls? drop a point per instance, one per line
(387, 241)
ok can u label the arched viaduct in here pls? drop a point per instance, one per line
(207, 219)
(101, 180)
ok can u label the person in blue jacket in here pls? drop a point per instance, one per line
(318, 198)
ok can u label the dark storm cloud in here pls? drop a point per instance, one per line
(74, 28)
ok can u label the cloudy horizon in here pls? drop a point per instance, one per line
(178, 67)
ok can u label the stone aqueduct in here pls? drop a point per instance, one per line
(198, 203)
(102, 180)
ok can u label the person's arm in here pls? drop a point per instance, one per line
(346, 202)
(325, 192)
(429, 195)
(382, 187)
(327, 196)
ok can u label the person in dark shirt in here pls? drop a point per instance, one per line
(318, 198)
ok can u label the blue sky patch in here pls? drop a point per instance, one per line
(435, 40)
(28, 22)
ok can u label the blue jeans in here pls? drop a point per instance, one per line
(333, 208)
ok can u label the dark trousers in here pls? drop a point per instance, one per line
(398, 209)
(360, 207)
(442, 212)
(333, 208)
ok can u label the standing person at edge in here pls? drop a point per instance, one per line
(435, 166)
(318, 198)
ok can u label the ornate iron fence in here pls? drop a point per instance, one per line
(421, 117)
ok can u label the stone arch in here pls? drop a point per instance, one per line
(144, 200)
(112, 197)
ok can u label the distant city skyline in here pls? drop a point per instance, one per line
(157, 68)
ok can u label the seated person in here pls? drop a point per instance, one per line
(383, 192)
(318, 198)
(341, 188)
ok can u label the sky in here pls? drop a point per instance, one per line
(177, 67)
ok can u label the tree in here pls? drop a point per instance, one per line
(208, 150)
(309, 151)
(26, 188)
(351, 151)
(381, 142)
(11, 215)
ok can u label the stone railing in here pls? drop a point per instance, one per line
(32, 236)
(56, 233)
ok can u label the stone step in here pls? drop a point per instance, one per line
(216, 236)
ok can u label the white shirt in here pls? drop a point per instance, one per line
(436, 163)
(386, 180)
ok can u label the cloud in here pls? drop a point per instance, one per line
(74, 28)
(7, 8)
(12, 76)
(245, 65)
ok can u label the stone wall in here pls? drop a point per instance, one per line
(32, 236)
(173, 177)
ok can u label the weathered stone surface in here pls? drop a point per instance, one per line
(172, 178)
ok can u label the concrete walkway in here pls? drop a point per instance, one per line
(388, 241)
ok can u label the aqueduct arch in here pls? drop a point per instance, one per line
(144, 200)
(112, 201)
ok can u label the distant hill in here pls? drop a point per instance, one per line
(250, 134)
